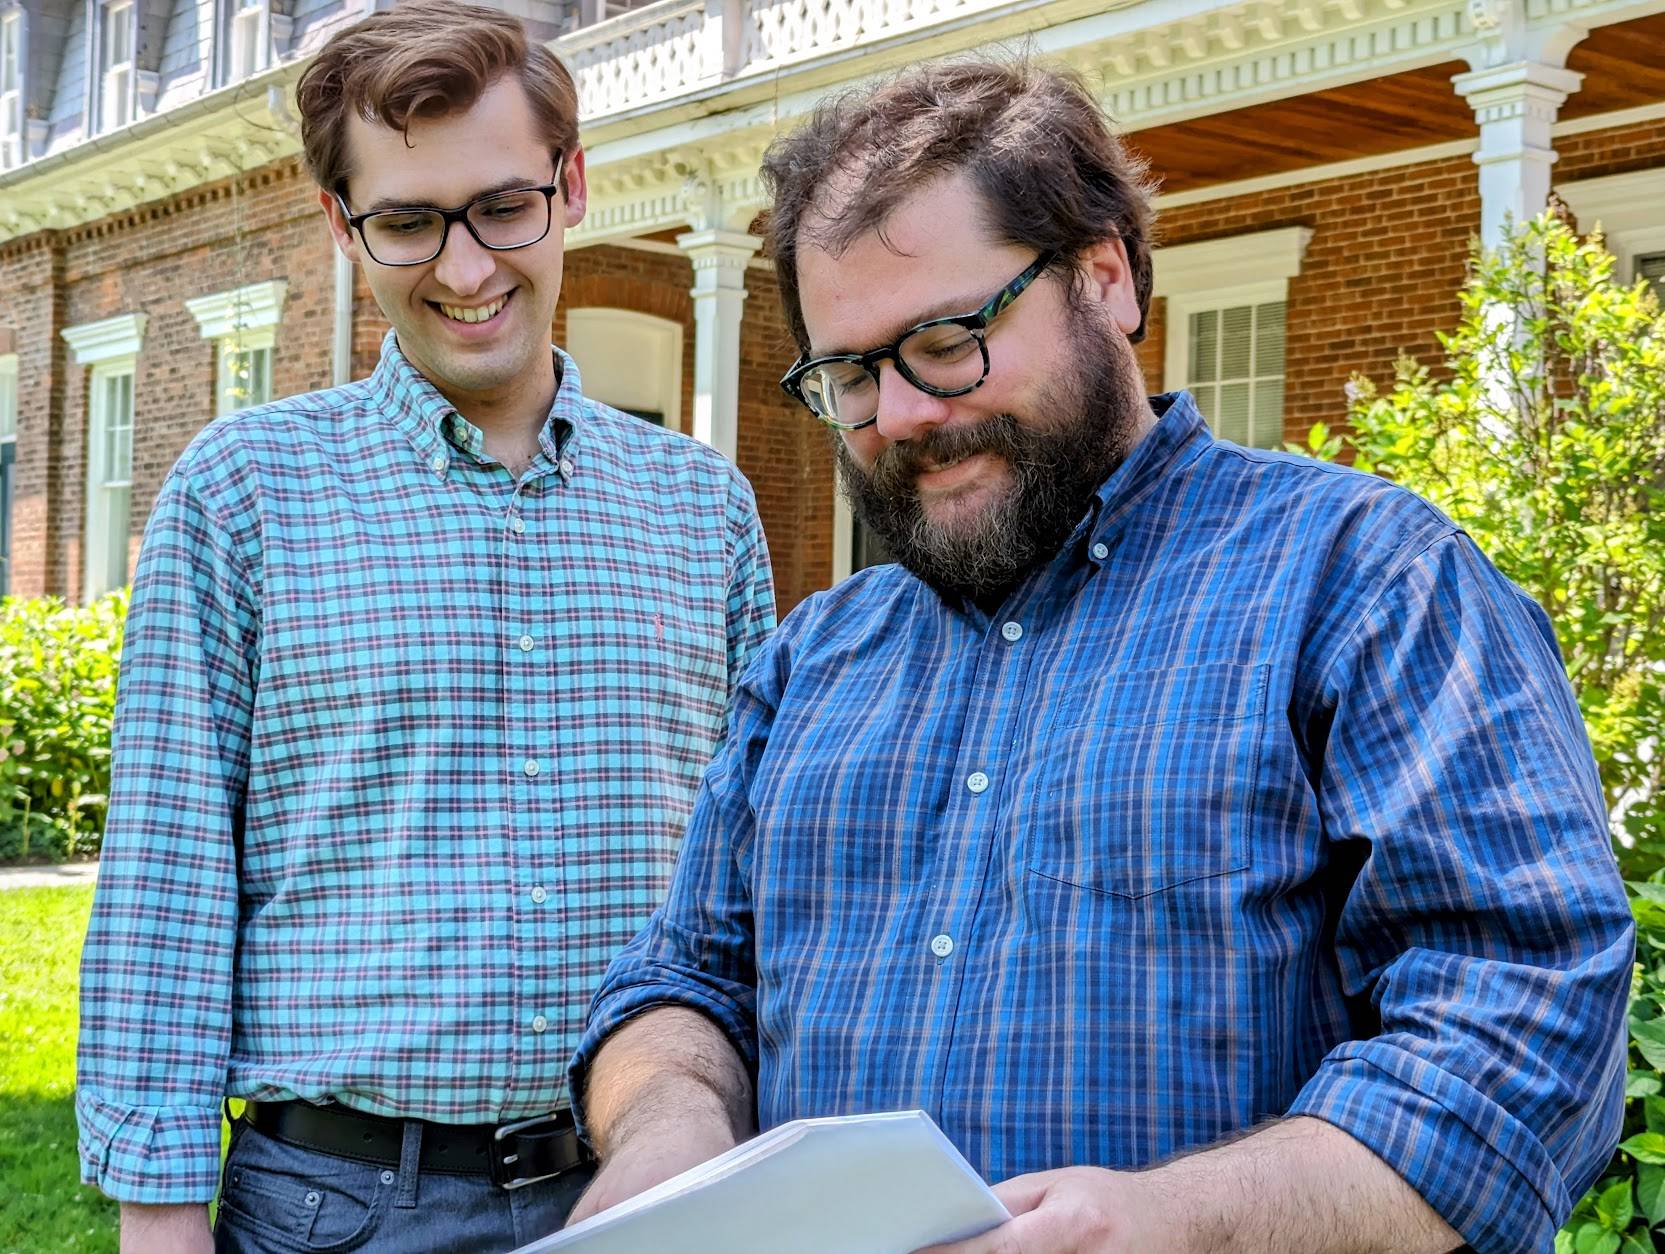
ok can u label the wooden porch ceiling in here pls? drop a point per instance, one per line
(1623, 65)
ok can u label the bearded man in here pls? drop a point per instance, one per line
(1205, 837)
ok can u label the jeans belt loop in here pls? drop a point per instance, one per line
(410, 1164)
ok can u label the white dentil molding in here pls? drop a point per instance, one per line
(108, 339)
(222, 314)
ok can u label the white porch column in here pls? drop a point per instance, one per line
(1516, 106)
(719, 291)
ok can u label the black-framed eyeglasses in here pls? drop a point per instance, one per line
(941, 357)
(501, 221)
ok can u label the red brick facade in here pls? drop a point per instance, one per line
(1379, 276)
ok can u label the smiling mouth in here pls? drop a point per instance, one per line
(472, 314)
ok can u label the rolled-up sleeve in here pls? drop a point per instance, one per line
(697, 949)
(1487, 931)
(156, 971)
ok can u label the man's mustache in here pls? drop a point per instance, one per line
(897, 467)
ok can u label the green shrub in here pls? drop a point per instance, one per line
(58, 667)
(1628, 1203)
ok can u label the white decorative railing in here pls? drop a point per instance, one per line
(639, 57)
(677, 46)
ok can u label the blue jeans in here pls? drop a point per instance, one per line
(280, 1198)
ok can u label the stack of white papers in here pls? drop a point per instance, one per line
(862, 1184)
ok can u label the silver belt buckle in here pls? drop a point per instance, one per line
(505, 1162)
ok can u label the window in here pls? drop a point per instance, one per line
(243, 325)
(111, 348)
(1626, 208)
(631, 361)
(1652, 268)
(115, 64)
(11, 90)
(244, 373)
(1225, 322)
(8, 456)
(1235, 371)
(109, 475)
(246, 46)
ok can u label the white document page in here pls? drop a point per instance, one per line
(860, 1184)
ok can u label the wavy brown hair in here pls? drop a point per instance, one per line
(424, 59)
(1052, 173)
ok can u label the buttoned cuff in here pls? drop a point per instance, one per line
(155, 1155)
(616, 1006)
(1476, 1165)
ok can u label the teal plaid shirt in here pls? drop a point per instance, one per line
(403, 755)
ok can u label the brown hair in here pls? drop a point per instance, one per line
(424, 59)
(1032, 140)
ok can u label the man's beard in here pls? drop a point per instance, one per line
(1081, 429)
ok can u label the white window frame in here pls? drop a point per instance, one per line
(111, 348)
(239, 320)
(8, 437)
(8, 397)
(641, 365)
(247, 39)
(13, 33)
(1221, 274)
(116, 78)
(1626, 207)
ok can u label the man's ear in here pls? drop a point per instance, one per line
(345, 241)
(1109, 279)
(576, 187)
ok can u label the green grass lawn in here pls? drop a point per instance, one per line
(42, 1206)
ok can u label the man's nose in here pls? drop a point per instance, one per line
(463, 264)
(904, 410)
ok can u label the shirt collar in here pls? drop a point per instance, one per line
(1179, 436)
(411, 404)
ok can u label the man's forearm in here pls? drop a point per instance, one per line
(165, 1229)
(667, 1067)
(1298, 1187)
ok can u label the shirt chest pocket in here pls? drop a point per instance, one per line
(1149, 783)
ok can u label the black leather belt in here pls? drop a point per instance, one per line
(512, 1154)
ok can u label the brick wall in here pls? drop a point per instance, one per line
(31, 309)
(1380, 276)
(1380, 273)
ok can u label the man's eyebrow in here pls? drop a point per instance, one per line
(502, 185)
(954, 308)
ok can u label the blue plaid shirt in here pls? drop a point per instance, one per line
(1267, 797)
(403, 756)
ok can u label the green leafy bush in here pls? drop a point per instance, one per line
(58, 667)
(1619, 1214)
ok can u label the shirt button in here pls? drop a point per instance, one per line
(526, 643)
(517, 524)
(531, 767)
(1012, 631)
(1101, 551)
(539, 895)
(942, 945)
(438, 463)
(566, 467)
(977, 781)
(539, 1023)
